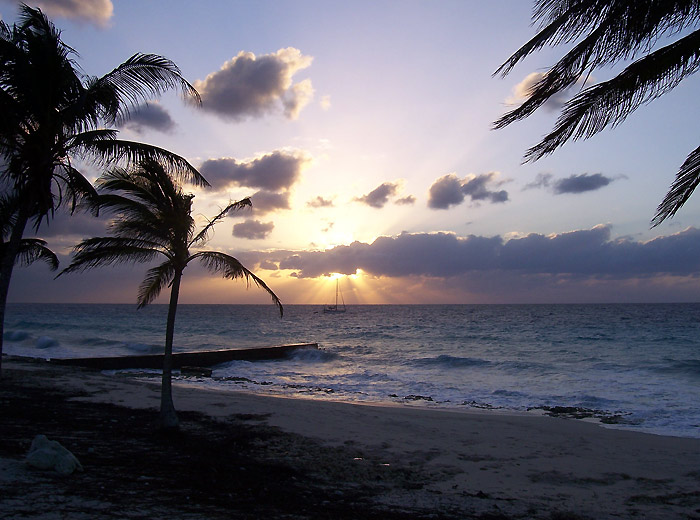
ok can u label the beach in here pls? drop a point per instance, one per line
(240, 455)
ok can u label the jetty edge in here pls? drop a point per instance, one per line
(204, 358)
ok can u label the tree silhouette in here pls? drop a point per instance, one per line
(30, 249)
(153, 219)
(53, 115)
(603, 33)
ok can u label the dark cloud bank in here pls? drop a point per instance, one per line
(585, 253)
(573, 267)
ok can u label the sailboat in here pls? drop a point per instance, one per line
(334, 309)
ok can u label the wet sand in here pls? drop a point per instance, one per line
(241, 455)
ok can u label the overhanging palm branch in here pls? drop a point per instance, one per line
(30, 249)
(157, 278)
(99, 251)
(611, 31)
(143, 76)
(203, 235)
(111, 151)
(609, 103)
(682, 188)
(33, 249)
(232, 269)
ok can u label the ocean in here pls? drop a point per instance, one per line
(628, 366)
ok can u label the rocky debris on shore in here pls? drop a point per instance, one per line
(46, 454)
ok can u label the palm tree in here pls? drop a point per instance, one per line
(30, 249)
(153, 219)
(607, 32)
(53, 115)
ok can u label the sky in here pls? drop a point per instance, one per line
(362, 131)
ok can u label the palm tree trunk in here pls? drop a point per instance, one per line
(7, 263)
(168, 416)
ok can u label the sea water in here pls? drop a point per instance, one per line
(633, 366)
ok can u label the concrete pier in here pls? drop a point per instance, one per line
(204, 358)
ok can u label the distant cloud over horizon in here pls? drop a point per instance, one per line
(275, 171)
(151, 115)
(573, 267)
(582, 254)
(450, 190)
(572, 184)
(253, 86)
(98, 12)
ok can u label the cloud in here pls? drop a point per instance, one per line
(151, 115)
(65, 230)
(450, 190)
(580, 254)
(325, 102)
(296, 98)
(253, 229)
(274, 171)
(581, 183)
(378, 197)
(94, 11)
(408, 200)
(542, 180)
(249, 86)
(477, 189)
(521, 92)
(572, 184)
(268, 201)
(320, 202)
(445, 192)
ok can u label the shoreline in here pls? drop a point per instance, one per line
(403, 460)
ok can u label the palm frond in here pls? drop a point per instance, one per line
(33, 249)
(143, 76)
(131, 153)
(616, 29)
(76, 188)
(687, 179)
(609, 103)
(86, 138)
(563, 21)
(156, 279)
(100, 251)
(204, 233)
(232, 269)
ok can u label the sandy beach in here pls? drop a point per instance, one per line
(241, 455)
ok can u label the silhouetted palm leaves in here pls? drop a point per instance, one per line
(606, 32)
(30, 249)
